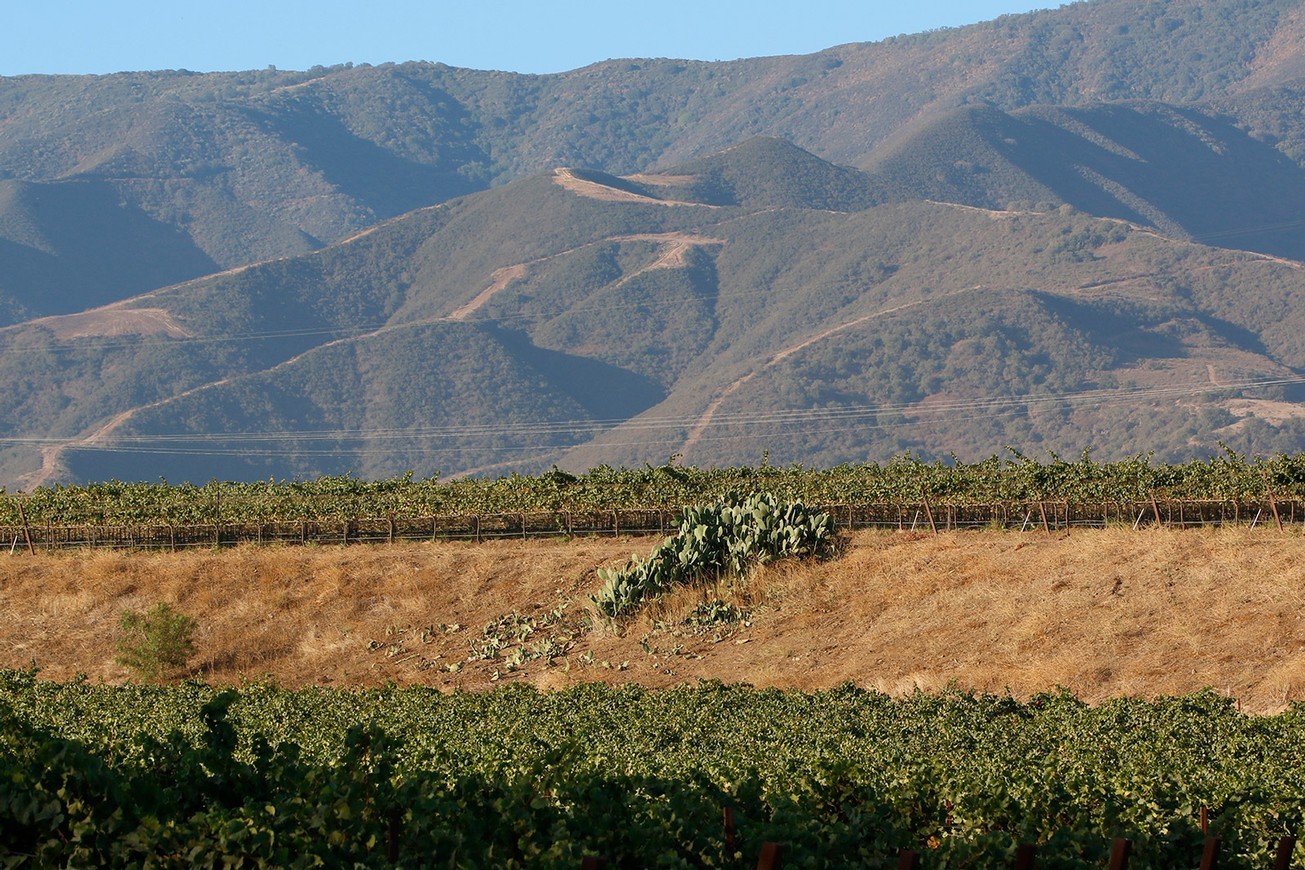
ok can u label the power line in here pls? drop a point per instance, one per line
(80, 344)
(761, 424)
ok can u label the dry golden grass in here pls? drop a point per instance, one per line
(1104, 613)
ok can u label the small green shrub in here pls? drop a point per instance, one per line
(156, 644)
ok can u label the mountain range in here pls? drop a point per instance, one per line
(1081, 228)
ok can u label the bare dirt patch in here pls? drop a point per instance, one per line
(1280, 60)
(499, 279)
(672, 255)
(113, 322)
(1268, 410)
(1104, 613)
(674, 247)
(662, 180)
(567, 179)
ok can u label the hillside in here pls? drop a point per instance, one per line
(1191, 172)
(81, 245)
(234, 168)
(1157, 612)
(718, 310)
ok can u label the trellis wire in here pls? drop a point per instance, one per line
(1022, 517)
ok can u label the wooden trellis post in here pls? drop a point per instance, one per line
(772, 857)
(392, 836)
(27, 533)
(1273, 504)
(1210, 854)
(909, 859)
(928, 511)
(1120, 851)
(1282, 859)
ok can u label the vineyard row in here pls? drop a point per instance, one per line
(103, 775)
(1026, 854)
(903, 481)
(921, 516)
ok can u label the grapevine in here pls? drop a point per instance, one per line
(1015, 479)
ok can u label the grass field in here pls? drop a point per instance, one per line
(1104, 613)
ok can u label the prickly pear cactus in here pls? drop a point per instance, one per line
(729, 537)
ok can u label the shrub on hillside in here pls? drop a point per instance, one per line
(156, 644)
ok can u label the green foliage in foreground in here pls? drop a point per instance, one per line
(93, 775)
(667, 487)
(728, 537)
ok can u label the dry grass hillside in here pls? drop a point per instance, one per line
(1104, 613)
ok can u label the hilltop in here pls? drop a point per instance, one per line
(232, 168)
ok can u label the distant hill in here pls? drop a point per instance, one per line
(70, 245)
(571, 317)
(235, 168)
(764, 172)
(1189, 171)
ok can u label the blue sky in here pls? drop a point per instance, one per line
(100, 36)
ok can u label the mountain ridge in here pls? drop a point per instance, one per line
(260, 164)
